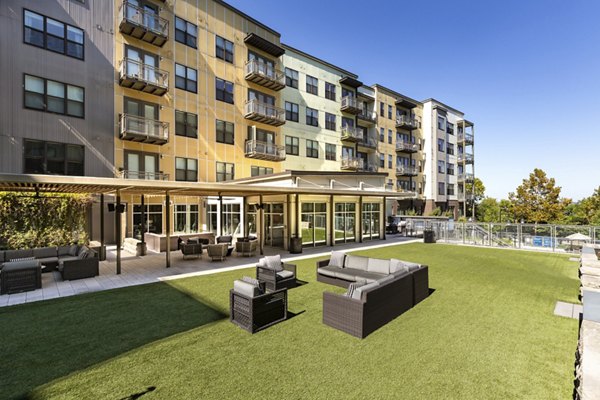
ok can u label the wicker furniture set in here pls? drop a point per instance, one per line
(20, 270)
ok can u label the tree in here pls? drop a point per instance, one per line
(586, 211)
(479, 188)
(537, 199)
(488, 210)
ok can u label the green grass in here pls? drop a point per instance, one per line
(487, 332)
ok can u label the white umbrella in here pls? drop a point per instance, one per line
(578, 236)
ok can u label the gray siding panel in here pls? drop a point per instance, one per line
(96, 74)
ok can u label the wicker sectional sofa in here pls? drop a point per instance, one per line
(389, 288)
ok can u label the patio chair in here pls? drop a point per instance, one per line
(191, 250)
(228, 239)
(276, 276)
(246, 248)
(252, 310)
(217, 251)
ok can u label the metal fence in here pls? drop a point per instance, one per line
(555, 238)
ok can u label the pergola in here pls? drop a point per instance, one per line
(119, 186)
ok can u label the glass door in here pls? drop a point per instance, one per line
(314, 224)
(370, 220)
(274, 225)
(345, 216)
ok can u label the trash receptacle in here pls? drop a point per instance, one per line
(295, 245)
(428, 236)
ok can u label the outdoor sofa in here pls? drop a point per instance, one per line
(20, 276)
(252, 308)
(379, 291)
(276, 274)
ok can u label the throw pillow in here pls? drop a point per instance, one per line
(337, 259)
(262, 262)
(353, 286)
(252, 281)
(274, 262)
(73, 250)
(82, 250)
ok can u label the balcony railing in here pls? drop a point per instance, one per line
(405, 122)
(142, 24)
(406, 170)
(145, 130)
(367, 116)
(264, 74)
(351, 134)
(369, 142)
(264, 150)
(350, 105)
(465, 138)
(136, 75)
(265, 113)
(407, 147)
(369, 167)
(151, 176)
(465, 197)
(465, 158)
(466, 177)
(352, 163)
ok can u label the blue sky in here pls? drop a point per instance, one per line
(526, 72)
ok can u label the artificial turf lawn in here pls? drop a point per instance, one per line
(486, 332)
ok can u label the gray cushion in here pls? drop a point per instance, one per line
(245, 288)
(63, 250)
(251, 281)
(358, 293)
(284, 274)
(353, 286)
(20, 265)
(45, 252)
(82, 250)
(347, 276)
(62, 259)
(368, 276)
(379, 266)
(274, 262)
(401, 273)
(400, 265)
(12, 254)
(48, 260)
(329, 271)
(73, 250)
(356, 262)
(386, 279)
(337, 259)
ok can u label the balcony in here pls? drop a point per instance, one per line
(407, 147)
(351, 134)
(264, 75)
(136, 75)
(264, 151)
(143, 130)
(465, 177)
(404, 122)
(149, 176)
(406, 170)
(265, 113)
(465, 158)
(465, 139)
(368, 142)
(367, 116)
(352, 163)
(369, 167)
(143, 25)
(465, 197)
(350, 105)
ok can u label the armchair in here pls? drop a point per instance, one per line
(246, 248)
(191, 249)
(253, 311)
(217, 251)
(275, 280)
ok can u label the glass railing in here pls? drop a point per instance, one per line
(136, 69)
(144, 18)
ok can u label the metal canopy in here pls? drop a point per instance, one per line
(93, 185)
(263, 44)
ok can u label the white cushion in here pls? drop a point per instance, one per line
(262, 262)
(400, 265)
(284, 274)
(337, 259)
(356, 262)
(353, 286)
(245, 288)
(274, 262)
(364, 289)
(378, 265)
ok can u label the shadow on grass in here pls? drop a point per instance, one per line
(45, 341)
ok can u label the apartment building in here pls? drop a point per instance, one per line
(57, 83)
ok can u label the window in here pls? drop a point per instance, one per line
(450, 131)
(330, 121)
(450, 190)
(224, 172)
(54, 97)
(330, 151)
(312, 117)
(442, 123)
(186, 32)
(292, 145)
(154, 219)
(329, 91)
(381, 108)
(441, 188)
(312, 85)
(291, 111)
(441, 145)
(312, 148)
(381, 135)
(258, 171)
(390, 161)
(261, 135)
(186, 169)
(53, 158)
(186, 218)
(441, 167)
(390, 136)
(52, 35)
(224, 49)
(225, 132)
(224, 90)
(186, 124)
(291, 78)
(450, 169)
(381, 160)
(186, 78)
(261, 97)
(450, 148)
(142, 165)
(390, 112)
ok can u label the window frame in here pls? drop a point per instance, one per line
(186, 124)
(330, 91)
(330, 152)
(222, 52)
(330, 121)
(312, 116)
(292, 148)
(223, 94)
(45, 35)
(186, 34)
(292, 80)
(260, 171)
(45, 96)
(312, 148)
(294, 116)
(187, 170)
(225, 132)
(44, 157)
(312, 85)
(186, 79)
(225, 174)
